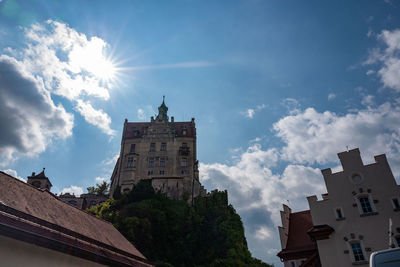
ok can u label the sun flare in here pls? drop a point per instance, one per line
(92, 58)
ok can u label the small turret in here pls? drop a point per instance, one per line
(40, 180)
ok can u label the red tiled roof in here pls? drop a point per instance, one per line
(137, 129)
(299, 224)
(299, 244)
(42, 207)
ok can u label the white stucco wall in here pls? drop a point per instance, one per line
(16, 253)
(371, 231)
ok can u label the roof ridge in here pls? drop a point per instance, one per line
(53, 195)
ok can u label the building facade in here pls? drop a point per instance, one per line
(359, 214)
(161, 150)
(37, 229)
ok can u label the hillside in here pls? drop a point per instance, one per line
(171, 233)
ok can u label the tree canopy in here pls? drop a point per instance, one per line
(173, 233)
(100, 189)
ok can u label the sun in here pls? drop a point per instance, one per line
(92, 58)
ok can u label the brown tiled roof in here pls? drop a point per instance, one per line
(137, 129)
(43, 208)
(299, 244)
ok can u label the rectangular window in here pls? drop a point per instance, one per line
(163, 147)
(396, 203)
(357, 251)
(365, 204)
(162, 172)
(132, 150)
(131, 162)
(398, 240)
(150, 172)
(153, 147)
(162, 162)
(339, 213)
(184, 162)
(151, 162)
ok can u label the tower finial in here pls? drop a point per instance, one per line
(163, 98)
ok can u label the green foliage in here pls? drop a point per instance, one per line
(100, 189)
(172, 233)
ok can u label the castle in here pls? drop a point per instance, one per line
(163, 151)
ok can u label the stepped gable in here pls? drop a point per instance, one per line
(31, 211)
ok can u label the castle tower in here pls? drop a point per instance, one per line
(39, 180)
(161, 150)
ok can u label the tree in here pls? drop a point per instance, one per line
(100, 189)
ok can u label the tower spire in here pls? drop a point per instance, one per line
(162, 111)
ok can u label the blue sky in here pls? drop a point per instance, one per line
(277, 88)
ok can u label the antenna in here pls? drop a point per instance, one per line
(390, 232)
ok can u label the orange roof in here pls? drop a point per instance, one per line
(42, 207)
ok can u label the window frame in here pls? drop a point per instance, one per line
(395, 200)
(360, 205)
(152, 147)
(361, 249)
(163, 147)
(339, 218)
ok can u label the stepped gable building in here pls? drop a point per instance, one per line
(37, 229)
(360, 213)
(161, 150)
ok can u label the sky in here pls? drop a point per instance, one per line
(277, 89)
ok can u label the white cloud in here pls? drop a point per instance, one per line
(249, 113)
(100, 179)
(68, 64)
(14, 174)
(33, 120)
(370, 72)
(75, 190)
(263, 233)
(389, 71)
(368, 100)
(97, 117)
(140, 114)
(291, 104)
(311, 136)
(331, 96)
